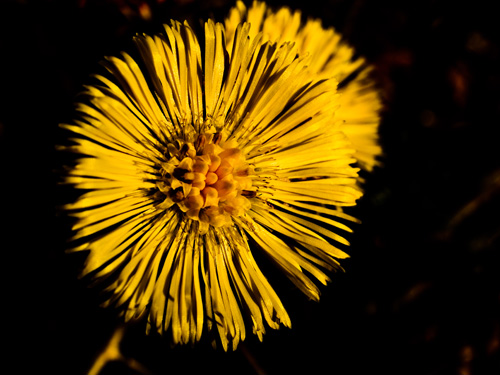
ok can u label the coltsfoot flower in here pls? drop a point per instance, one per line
(190, 162)
(359, 101)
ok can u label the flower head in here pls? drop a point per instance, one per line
(196, 156)
(359, 101)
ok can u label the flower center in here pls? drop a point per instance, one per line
(209, 181)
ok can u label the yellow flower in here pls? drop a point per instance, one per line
(196, 162)
(359, 100)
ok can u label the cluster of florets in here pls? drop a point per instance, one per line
(208, 180)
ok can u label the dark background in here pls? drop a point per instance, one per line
(421, 293)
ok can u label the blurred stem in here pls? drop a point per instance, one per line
(251, 359)
(111, 353)
(490, 190)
